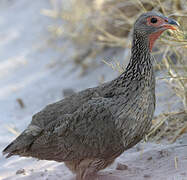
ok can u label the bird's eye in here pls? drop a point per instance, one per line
(154, 20)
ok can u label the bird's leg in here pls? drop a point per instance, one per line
(84, 169)
(88, 168)
(84, 175)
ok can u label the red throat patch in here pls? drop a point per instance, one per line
(153, 37)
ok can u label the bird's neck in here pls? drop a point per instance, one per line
(141, 60)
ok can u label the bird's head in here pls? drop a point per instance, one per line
(152, 24)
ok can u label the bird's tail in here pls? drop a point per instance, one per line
(22, 143)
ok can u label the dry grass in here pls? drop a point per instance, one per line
(94, 25)
(168, 126)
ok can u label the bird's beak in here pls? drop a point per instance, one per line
(170, 24)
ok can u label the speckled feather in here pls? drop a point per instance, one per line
(89, 129)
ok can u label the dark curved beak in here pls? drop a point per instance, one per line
(173, 22)
(170, 24)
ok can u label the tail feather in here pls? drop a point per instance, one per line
(5, 151)
(18, 146)
(22, 143)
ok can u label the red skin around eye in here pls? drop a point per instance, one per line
(154, 36)
(160, 22)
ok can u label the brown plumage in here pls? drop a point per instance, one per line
(89, 129)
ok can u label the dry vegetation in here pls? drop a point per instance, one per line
(94, 26)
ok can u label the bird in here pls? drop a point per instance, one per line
(91, 128)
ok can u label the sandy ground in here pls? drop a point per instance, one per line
(33, 73)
